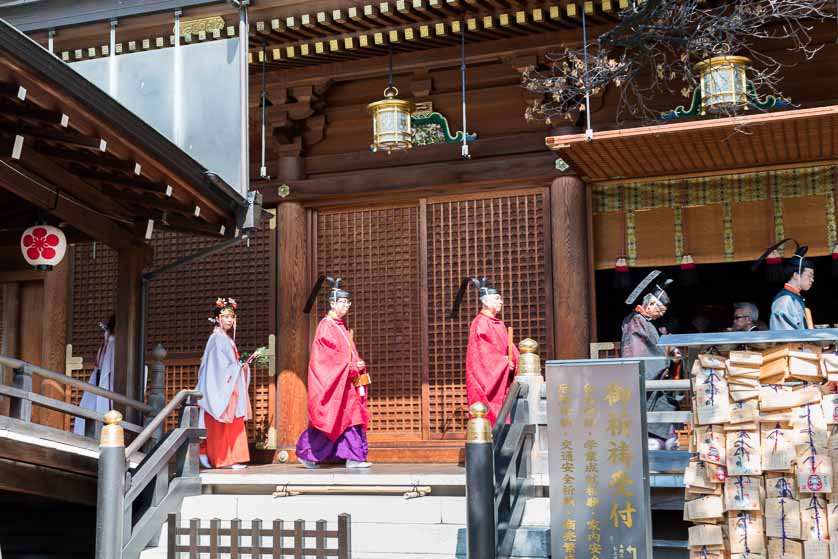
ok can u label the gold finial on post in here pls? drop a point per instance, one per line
(112, 433)
(479, 429)
(529, 362)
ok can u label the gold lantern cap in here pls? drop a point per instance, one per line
(719, 60)
(390, 100)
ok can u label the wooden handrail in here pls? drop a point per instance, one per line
(76, 383)
(158, 420)
(61, 406)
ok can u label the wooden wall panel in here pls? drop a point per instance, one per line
(804, 219)
(752, 228)
(376, 252)
(704, 233)
(655, 236)
(502, 238)
(608, 239)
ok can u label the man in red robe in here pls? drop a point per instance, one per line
(337, 410)
(490, 358)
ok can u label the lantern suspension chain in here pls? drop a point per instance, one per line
(263, 170)
(464, 150)
(589, 132)
(390, 86)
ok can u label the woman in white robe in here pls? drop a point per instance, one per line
(102, 376)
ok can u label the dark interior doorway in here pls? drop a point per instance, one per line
(720, 285)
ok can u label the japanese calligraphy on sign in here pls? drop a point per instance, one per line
(599, 506)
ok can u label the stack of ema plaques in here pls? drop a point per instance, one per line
(759, 484)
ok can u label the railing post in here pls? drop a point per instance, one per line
(481, 527)
(20, 408)
(110, 488)
(529, 373)
(157, 391)
(188, 460)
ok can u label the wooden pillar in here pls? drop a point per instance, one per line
(11, 340)
(54, 339)
(126, 362)
(572, 268)
(292, 324)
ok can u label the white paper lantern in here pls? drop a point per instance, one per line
(43, 246)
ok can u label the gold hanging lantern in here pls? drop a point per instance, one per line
(724, 83)
(391, 127)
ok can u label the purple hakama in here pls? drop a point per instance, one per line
(314, 446)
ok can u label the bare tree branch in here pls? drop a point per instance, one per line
(656, 44)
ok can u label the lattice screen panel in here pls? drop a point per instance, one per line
(179, 304)
(376, 251)
(502, 238)
(181, 301)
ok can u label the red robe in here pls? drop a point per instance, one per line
(487, 363)
(333, 402)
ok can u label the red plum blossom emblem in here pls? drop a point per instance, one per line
(41, 244)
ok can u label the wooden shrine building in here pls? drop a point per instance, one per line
(404, 228)
(74, 158)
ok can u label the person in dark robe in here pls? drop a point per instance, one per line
(337, 411)
(788, 309)
(640, 339)
(490, 357)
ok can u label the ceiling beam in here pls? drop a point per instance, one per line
(476, 53)
(40, 164)
(23, 184)
(445, 175)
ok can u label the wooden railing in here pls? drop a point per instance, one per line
(280, 540)
(22, 397)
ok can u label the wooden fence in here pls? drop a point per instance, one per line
(277, 541)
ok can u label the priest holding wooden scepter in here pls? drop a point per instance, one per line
(491, 357)
(337, 385)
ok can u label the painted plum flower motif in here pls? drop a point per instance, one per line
(40, 244)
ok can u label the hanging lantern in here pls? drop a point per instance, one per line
(622, 276)
(689, 274)
(724, 84)
(391, 129)
(43, 246)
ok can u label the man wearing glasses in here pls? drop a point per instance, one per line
(745, 316)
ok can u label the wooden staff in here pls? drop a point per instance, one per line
(362, 379)
(810, 323)
(510, 344)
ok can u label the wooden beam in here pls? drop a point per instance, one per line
(136, 182)
(37, 191)
(19, 477)
(47, 454)
(150, 201)
(40, 164)
(409, 62)
(439, 175)
(512, 144)
(103, 160)
(63, 136)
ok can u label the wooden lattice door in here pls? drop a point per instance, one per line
(375, 251)
(503, 238)
(403, 266)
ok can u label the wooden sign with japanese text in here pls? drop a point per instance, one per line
(599, 493)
